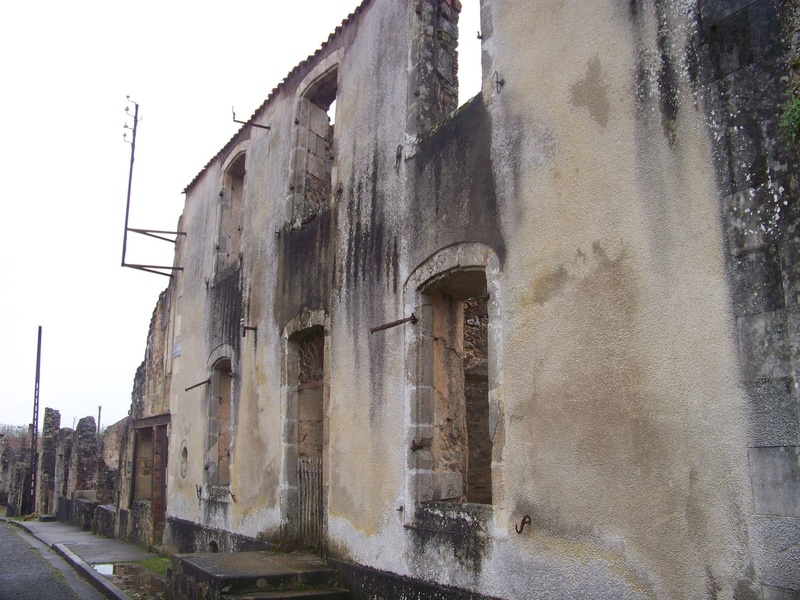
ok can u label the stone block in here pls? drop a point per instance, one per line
(423, 460)
(445, 66)
(772, 410)
(743, 107)
(318, 167)
(423, 413)
(419, 359)
(422, 484)
(756, 282)
(737, 38)
(750, 219)
(777, 550)
(447, 485)
(773, 593)
(318, 122)
(763, 346)
(790, 272)
(775, 476)
(712, 11)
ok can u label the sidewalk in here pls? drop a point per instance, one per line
(83, 550)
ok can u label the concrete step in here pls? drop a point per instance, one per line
(317, 594)
(47, 518)
(258, 575)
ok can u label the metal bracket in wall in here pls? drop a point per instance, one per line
(526, 520)
(197, 385)
(498, 82)
(245, 329)
(412, 319)
(154, 233)
(248, 122)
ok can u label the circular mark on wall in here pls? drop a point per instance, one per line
(184, 462)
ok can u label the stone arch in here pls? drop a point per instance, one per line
(453, 272)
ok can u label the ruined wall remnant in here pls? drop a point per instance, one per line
(434, 78)
(13, 474)
(108, 463)
(46, 478)
(83, 465)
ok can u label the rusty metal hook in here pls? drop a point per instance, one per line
(526, 520)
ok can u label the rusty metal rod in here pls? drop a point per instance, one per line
(197, 385)
(235, 120)
(412, 319)
(157, 231)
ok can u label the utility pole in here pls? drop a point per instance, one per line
(35, 431)
(99, 408)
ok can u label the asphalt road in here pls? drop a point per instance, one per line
(31, 570)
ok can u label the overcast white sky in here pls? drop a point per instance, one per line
(66, 68)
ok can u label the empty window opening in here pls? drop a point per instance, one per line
(230, 229)
(143, 474)
(310, 394)
(312, 174)
(218, 466)
(461, 444)
(320, 141)
(469, 51)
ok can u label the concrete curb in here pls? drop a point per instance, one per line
(100, 583)
(103, 585)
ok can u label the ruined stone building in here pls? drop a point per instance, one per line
(597, 395)
(76, 472)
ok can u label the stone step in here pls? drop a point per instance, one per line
(255, 575)
(47, 518)
(315, 594)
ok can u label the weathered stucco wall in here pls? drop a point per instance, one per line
(635, 321)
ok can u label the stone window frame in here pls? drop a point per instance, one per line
(419, 352)
(224, 196)
(289, 494)
(297, 213)
(223, 353)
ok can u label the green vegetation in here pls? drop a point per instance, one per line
(158, 564)
(14, 431)
(790, 115)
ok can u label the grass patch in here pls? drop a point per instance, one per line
(157, 564)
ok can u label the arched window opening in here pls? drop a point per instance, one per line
(461, 446)
(219, 459)
(229, 243)
(311, 184)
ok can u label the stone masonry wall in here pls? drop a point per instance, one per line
(746, 51)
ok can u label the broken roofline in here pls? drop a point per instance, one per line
(294, 72)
